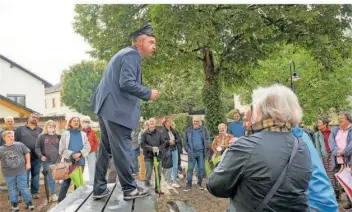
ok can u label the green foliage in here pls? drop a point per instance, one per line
(227, 41)
(318, 91)
(98, 133)
(80, 83)
(181, 122)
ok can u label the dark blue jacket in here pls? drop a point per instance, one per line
(188, 143)
(118, 95)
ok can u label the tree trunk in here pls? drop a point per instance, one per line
(212, 90)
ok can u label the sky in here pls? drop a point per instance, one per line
(40, 37)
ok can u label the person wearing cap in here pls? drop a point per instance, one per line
(93, 141)
(116, 101)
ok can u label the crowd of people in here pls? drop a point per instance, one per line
(247, 157)
(28, 149)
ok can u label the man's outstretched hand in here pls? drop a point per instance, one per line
(155, 95)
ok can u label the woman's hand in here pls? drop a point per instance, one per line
(76, 156)
(219, 149)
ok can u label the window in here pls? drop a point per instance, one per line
(61, 103)
(53, 102)
(20, 99)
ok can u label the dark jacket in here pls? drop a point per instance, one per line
(165, 133)
(179, 142)
(118, 95)
(152, 139)
(189, 143)
(250, 167)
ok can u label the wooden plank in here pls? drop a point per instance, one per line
(74, 200)
(96, 205)
(184, 207)
(146, 204)
(116, 202)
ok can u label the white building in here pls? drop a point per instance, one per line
(54, 105)
(238, 105)
(20, 87)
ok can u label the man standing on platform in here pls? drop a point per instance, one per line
(117, 104)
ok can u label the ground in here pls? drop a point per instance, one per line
(200, 200)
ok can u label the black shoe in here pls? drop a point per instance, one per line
(30, 206)
(188, 188)
(14, 207)
(136, 193)
(104, 194)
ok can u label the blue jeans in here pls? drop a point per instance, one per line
(18, 183)
(36, 165)
(64, 188)
(135, 154)
(51, 181)
(174, 169)
(193, 159)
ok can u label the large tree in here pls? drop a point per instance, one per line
(319, 92)
(226, 41)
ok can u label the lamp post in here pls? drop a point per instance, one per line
(293, 74)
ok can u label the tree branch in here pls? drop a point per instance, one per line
(228, 50)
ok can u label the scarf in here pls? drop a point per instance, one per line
(269, 125)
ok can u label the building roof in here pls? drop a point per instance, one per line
(53, 89)
(46, 83)
(17, 104)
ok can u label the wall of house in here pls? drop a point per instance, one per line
(5, 112)
(15, 81)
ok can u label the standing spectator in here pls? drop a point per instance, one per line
(9, 126)
(321, 143)
(28, 135)
(141, 157)
(179, 149)
(340, 144)
(170, 138)
(15, 161)
(196, 144)
(74, 146)
(47, 149)
(152, 143)
(236, 127)
(221, 142)
(251, 165)
(93, 141)
(135, 151)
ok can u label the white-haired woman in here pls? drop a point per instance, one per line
(221, 142)
(251, 165)
(47, 149)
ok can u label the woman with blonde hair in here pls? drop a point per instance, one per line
(47, 149)
(270, 169)
(74, 146)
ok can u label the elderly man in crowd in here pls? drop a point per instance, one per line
(10, 126)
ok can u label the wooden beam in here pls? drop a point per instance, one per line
(16, 108)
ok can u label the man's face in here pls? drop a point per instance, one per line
(148, 46)
(236, 116)
(33, 119)
(196, 124)
(9, 138)
(247, 119)
(10, 123)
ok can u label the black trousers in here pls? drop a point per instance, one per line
(115, 142)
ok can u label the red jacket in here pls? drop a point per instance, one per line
(92, 138)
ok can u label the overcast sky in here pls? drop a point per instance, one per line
(40, 37)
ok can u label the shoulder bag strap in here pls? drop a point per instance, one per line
(278, 182)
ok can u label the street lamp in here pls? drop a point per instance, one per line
(293, 74)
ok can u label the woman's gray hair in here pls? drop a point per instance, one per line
(276, 102)
(347, 115)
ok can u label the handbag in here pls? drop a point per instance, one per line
(60, 170)
(166, 160)
(279, 180)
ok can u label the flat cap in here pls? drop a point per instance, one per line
(145, 30)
